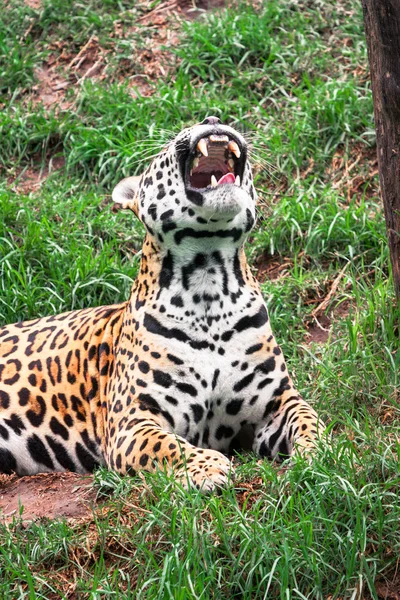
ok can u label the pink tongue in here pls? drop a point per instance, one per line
(228, 178)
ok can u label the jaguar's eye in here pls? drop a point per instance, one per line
(215, 161)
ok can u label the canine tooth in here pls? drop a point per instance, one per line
(237, 180)
(233, 147)
(202, 147)
(191, 172)
(214, 181)
(231, 164)
(196, 162)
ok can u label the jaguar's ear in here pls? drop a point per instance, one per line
(125, 193)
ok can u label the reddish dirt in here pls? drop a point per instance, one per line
(321, 325)
(388, 588)
(318, 332)
(48, 495)
(30, 179)
(272, 267)
(50, 87)
(276, 266)
(64, 70)
(35, 4)
(193, 9)
(320, 328)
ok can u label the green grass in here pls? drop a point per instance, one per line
(307, 532)
(293, 78)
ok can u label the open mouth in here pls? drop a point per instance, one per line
(215, 160)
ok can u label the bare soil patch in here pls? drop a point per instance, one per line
(272, 267)
(50, 88)
(326, 306)
(35, 4)
(58, 79)
(321, 327)
(193, 9)
(64, 69)
(158, 28)
(47, 495)
(388, 588)
(318, 331)
(30, 179)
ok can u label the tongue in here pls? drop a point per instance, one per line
(228, 178)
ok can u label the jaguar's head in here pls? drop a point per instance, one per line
(200, 182)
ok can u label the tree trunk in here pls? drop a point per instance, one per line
(382, 28)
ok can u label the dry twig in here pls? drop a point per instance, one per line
(325, 302)
(81, 52)
(160, 8)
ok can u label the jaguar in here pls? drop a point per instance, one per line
(183, 373)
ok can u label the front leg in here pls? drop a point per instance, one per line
(142, 442)
(290, 423)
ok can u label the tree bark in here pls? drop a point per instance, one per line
(382, 28)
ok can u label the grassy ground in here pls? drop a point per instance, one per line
(293, 76)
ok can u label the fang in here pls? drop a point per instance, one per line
(237, 180)
(233, 147)
(202, 147)
(214, 181)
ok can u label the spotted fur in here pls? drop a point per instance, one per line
(183, 372)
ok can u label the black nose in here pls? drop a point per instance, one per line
(211, 121)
